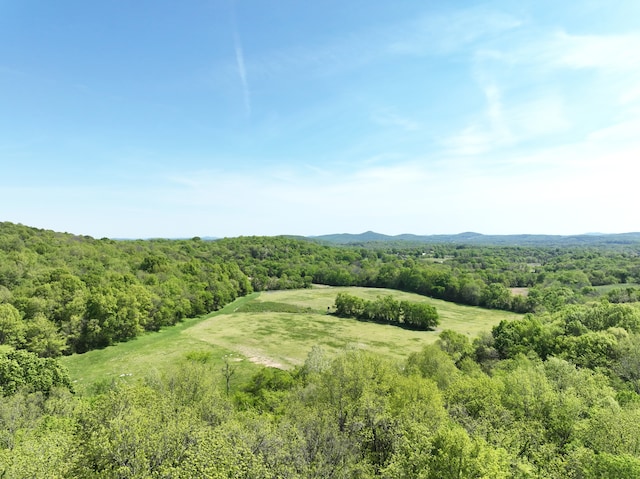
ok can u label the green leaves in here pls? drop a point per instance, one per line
(355, 415)
(22, 369)
(387, 310)
(133, 432)
(12, 328)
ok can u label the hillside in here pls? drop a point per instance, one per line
(67, 293)
(192, 358)
(470, 238)
(255, 330)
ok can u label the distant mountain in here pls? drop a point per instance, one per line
(347, 238)
(472, 238)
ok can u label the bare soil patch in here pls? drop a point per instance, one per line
(257, 358)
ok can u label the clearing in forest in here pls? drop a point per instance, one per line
(276, 329)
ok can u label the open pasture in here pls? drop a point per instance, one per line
(276, 329)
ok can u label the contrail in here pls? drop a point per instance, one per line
(240, 61)
(243, 73)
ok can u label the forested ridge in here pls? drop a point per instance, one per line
(62, 293)
(555, 394)
(371, 238)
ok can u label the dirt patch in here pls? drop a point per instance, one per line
(257, 358)
(519, 291)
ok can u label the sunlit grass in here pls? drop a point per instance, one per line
(150, 352)
(258, 330)
(604, 289)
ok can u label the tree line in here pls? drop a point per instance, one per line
(387, 310)
(62, 293)
(555, 394)
(460, 408)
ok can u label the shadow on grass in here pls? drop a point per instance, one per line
(408, 327)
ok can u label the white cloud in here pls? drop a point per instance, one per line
(242, 72)
(431, 34)
(568, 189)
(486, 133)
(243, 78)
(449, 31)
(500, 125)
(631, 94)
(390, 118)
(542, 116)
(574, 174)
(605, 65)
(473, 140)
(609, 52)
(621, 132)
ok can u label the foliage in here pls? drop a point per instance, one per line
(23, 369)
(272, 307)
(356, 415)
(78, 293)
(553, 394)
(387, 310)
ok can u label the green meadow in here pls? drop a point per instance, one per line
(276, 329)
(604, 289)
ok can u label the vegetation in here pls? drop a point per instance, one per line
(553, 393)
(447, 411)
(61, 294)
(255, 334)
(25, 370)
(387, 310)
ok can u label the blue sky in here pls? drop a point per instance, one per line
(223, 118)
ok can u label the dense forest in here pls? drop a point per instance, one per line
(555, 394)
(387, 310)
(61, 293)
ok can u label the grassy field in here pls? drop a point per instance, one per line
(151, 352)
(275, 329)
(604, 289)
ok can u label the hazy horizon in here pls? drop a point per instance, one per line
(205, 236)
(229, 118)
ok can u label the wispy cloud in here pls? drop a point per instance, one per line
(501, 126)
(619, 133)
(430, 34)
(631, 95)
(610, 52)
(242, 71)
(472, 140)
(614, 57)
(486, 133)
(535, 191)
(450, 31)
(390, 118)
(538, 194)
(495, 114)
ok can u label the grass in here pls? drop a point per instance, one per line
(467, 320)
(275, 329)
(271, 307)
(604, 289)
(150, 352)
